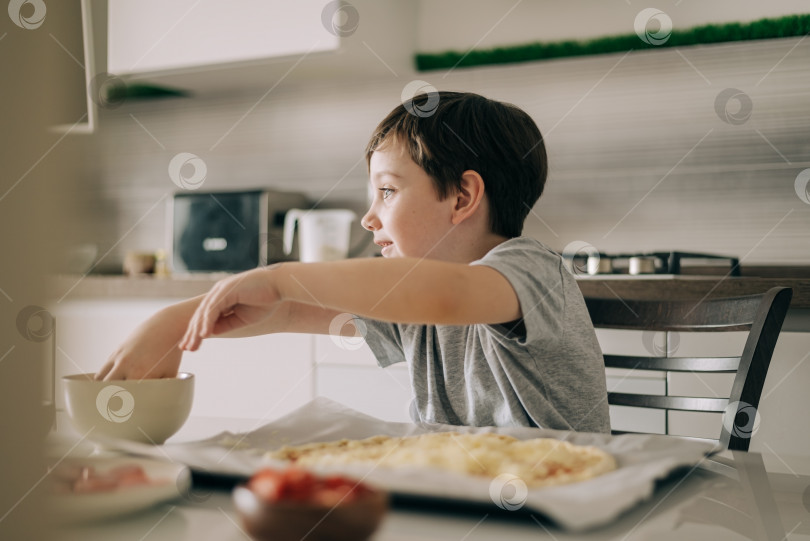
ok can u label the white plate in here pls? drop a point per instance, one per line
(78, 507)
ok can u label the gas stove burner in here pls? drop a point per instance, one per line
(646, 262)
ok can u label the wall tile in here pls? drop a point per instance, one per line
(639, 157)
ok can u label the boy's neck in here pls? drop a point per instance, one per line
(491, 241)
(477, 248)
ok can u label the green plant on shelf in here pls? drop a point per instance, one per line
(789, 26)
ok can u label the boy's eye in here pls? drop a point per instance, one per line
(386, 192)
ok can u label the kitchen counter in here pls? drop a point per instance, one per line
(691, 287)
(107, 286)
(685, 286)
(698, 288)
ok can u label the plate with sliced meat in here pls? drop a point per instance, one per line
(97, 488)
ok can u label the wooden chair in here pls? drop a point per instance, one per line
(762, 315)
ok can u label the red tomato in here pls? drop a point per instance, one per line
(294, 484)
(266, 484)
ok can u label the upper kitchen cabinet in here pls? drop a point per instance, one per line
(153, 35)
(70, 27)
(212, 46)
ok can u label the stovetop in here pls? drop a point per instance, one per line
(652, 264)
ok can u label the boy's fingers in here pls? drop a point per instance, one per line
(200, 316)
(211, 311)
(185, 343)
(191, 330)
(115, 373)
(104, 370)
(191, 344)
(204, 319)
(190, 340)
(210, 315)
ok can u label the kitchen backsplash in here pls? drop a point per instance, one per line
(692, 149)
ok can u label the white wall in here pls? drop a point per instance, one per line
(462, 24)
(639, 157)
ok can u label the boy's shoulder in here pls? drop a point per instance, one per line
(527, 261)
(522, 247)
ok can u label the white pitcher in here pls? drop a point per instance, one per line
(323, 235)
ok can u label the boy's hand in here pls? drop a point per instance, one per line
(149, 352)
(233, 303)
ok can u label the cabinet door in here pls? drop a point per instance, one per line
(75, 35)
(348, 373)
(619, 342)
(87, 332)
(384, 393)
(781, 429)
(259, 378)
(701, 424)
(339, 350)
(784, 430)
(153, 35)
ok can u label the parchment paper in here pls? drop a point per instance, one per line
(642, 459)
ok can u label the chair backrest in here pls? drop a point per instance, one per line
(761, 315)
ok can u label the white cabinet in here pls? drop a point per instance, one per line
(154, 35)
(624, 418)
(645, 343)
(208, 46)
(262, 377)
(87, 332)
(73, 63)
(384, 393)
(348, 373)
(782, 427)
(258, 378)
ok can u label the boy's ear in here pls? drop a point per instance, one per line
(468, 197)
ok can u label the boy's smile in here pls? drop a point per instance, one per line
(405, 214)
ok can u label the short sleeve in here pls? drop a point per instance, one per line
(536, 274)
(383, 338)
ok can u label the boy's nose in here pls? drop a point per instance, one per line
(370, 221)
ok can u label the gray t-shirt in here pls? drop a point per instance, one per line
(545, 370)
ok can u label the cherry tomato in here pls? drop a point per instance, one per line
(294, 484)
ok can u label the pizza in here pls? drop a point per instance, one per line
(538, 462)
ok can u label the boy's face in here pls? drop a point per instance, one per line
(406, 215)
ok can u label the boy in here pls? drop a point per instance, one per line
(493, 327)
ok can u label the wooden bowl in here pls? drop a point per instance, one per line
(136, 263)
(293, 520)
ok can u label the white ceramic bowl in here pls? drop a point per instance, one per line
(148, 410)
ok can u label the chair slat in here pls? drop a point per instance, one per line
(674, 364)
(735, 314)
(680, 403)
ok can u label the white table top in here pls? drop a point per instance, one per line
(760, 497)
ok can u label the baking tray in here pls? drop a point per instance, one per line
(643, 460)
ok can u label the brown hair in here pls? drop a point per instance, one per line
(447, 133)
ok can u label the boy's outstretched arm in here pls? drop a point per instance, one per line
(152, 349)
(404, 290)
